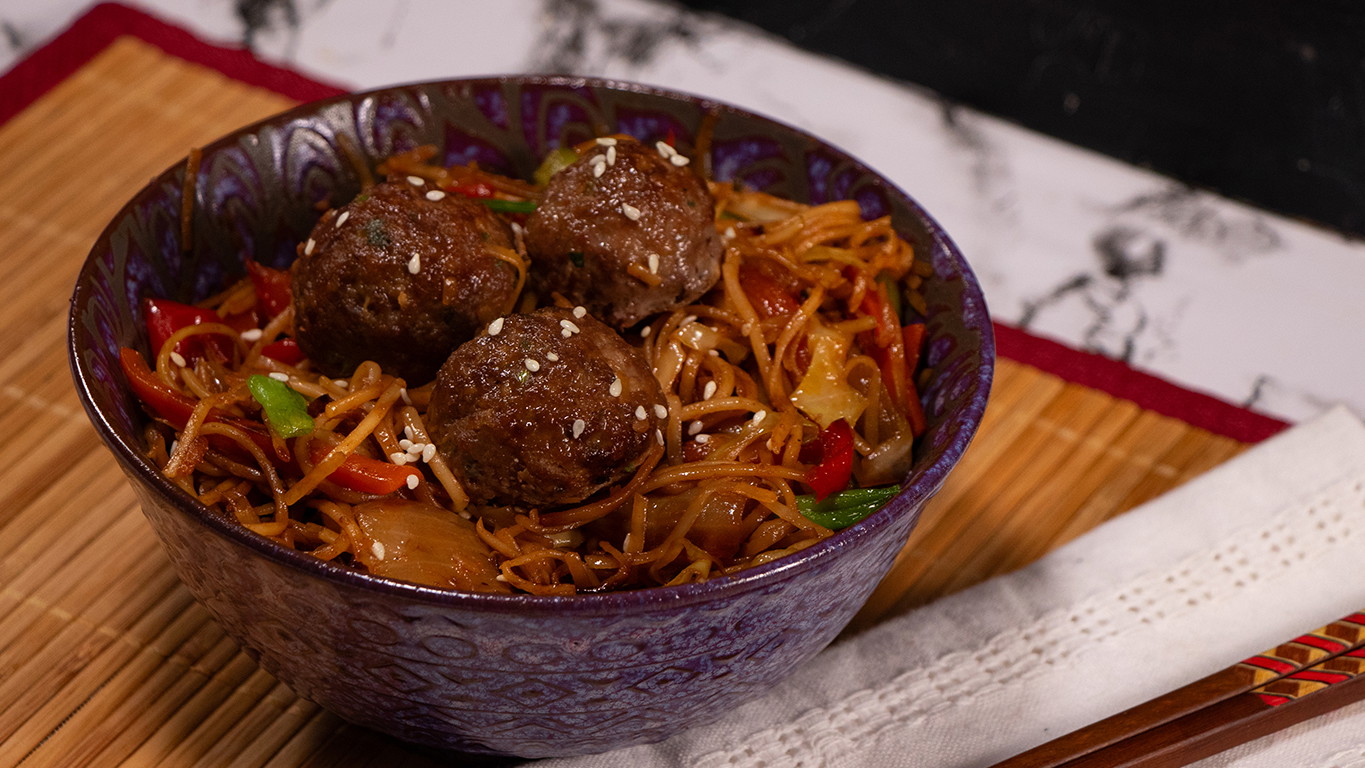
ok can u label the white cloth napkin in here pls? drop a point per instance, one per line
(1265, 547)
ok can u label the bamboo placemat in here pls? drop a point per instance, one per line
(106, 660)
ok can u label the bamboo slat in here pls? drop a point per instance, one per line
(105, 660)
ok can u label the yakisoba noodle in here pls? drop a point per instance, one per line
(794, 338)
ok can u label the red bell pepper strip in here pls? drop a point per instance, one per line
(358, 473)
(767, 296)
(877, 304)
(175, 407)
(913, 335)
(363, 474)
(475, 189)
(242, 322)
(152, 391)
(886, 345)
(284, 350)
(164, 317)
(835, 466)
(770, 299)
(272, 288)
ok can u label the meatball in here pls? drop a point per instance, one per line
(402, 275)
(544, 408)
(625, 231)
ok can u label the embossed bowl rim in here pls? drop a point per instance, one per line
(919, 489)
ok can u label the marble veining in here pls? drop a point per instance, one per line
(1127, 258)
(257, 16)
(1199, 289)
(578, 36)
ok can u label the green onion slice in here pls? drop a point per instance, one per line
(286, 411)
(509, 206)
(840, 510)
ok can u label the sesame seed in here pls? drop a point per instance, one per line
(429, 452)
(500, 577)
(644, 332)
(342, 218)
(569, 326)
(598, 169)
(689, 319)
(413, 481)
(709, 390)
(615, 388)
(279, 376)
(665, 149)
(660, 411)
(308, 247)
(398, 457)
(654, 263)
(694, 427)
(252, 334)
(659, 435)
(403, 393)
(630, 211)
(435, 195)
(406, 444)
(679, 160)
(611, 155)
(703, 438)
(415, 264)
(640, 412)
(416, 181)
(579, 312)
(713, 352)
(378, 549)
(760, 416)
(531, 365)
(344, 384)
(552, 357)
(606, 141)
(407, 431)
(495, 327)
(566, 333)
(578, 426)
(178, 358)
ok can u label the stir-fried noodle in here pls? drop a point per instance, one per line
(801, 332)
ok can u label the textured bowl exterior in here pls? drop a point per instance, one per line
(522, 675)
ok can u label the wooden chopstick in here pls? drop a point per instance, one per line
(1304, 677)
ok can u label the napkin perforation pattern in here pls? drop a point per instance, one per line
(827, 735)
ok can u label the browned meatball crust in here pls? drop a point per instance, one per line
(544, 409)
(402, 275)
(619, 205)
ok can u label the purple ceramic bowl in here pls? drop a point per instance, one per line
(521, 675)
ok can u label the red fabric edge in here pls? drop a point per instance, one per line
(1150, 392)
(49, 65)
(90, 34)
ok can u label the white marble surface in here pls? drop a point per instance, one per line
(1203, 291)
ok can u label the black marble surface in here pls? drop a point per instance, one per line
(1261, 100)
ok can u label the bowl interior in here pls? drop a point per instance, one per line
(257, 192)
